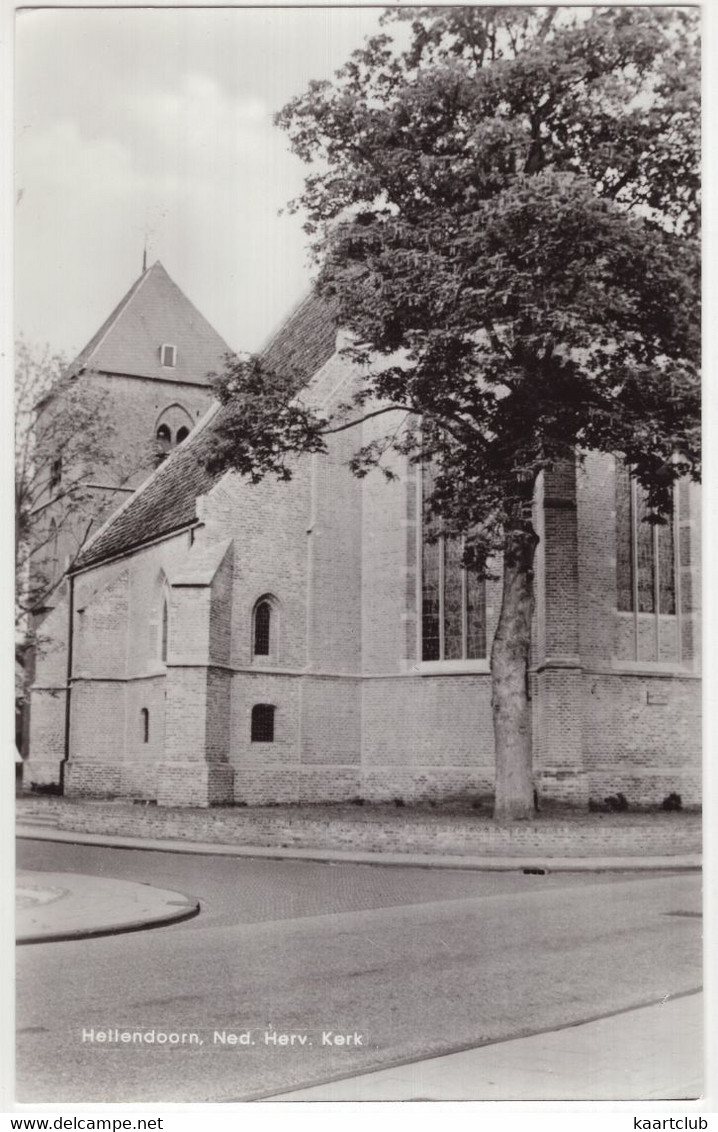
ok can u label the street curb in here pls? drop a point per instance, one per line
(682, 862)
(187, 913)
(86, 907)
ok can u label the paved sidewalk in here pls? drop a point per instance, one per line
(51, 907)
(43, 832)
(652, 1053)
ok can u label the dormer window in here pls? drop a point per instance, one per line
(168, 355)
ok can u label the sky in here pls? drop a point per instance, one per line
(158, 122)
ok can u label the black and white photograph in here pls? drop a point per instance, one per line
(358, 713)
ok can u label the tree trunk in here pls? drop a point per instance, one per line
(514, 787)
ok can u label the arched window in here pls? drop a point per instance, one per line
(262, 626)
(165, 631)
(172, 426)
(263, 723)
(265, 629)
(145, 720)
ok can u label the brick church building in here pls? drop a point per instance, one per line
(218, 641)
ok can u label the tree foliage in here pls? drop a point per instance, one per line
(510, 199)
(64, 438)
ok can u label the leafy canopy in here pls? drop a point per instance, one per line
(503, 204)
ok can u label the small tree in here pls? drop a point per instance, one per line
(503, 206)
(64, 435)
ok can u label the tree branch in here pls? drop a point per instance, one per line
(368, 417)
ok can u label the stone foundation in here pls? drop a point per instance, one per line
(42, 772)
(194, 784)
(92, 780)
(460, 830)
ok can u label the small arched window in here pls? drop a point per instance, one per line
(165, 631)
(263, 723)
(164, 436)
(262, 626)
(182, 434)
(145, 720)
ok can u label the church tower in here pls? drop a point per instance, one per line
(147, 368)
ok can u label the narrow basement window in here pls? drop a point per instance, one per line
(263, 723)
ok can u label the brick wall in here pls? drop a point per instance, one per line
(389, 558)
(642, 737)
(268, 523)
(640, 717)
(427, 737)
(46, 742)
(559, 772)
(117, 672)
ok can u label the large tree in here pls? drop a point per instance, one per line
(503, 205)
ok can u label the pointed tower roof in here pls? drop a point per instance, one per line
(154, 313)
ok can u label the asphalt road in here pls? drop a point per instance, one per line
(413, 961)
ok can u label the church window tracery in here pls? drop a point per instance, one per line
(453, 599)
(645, 551)
(172, 427)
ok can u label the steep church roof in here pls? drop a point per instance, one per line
(153, 313)
(167, 500)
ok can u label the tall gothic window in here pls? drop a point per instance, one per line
(262, 622)
(645, 552)
(453, 599)
(165, 631)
